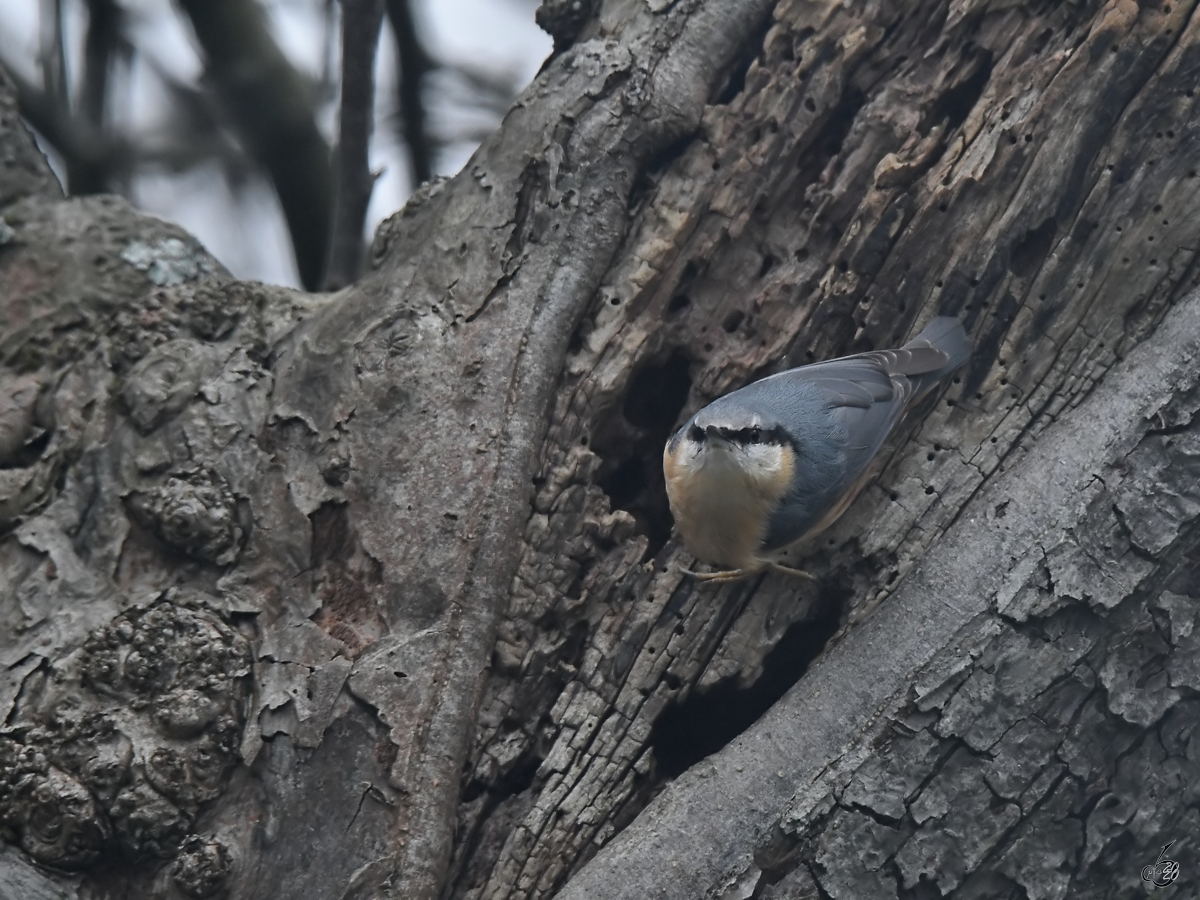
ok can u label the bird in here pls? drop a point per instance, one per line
(767, 466)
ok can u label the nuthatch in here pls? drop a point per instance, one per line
(779, 460)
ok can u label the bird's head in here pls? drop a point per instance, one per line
(726, 444)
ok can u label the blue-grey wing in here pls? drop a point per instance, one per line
(839, 414)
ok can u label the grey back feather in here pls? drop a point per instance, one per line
(838, 413)
(840, 431)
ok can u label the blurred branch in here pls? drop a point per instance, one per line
(361, 21)
(89, 175)
(473, 100)
(85, 147)
(52, 56)
(272, 110)
(486, 89)
(414, 63)
(82, 146)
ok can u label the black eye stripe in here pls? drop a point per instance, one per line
(758, 436)
(745, 436)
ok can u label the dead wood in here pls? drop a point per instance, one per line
(424, 516)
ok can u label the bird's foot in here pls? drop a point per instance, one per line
(788, 570)
(726, 576)
(722, 577)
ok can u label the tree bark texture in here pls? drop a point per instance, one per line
(374, 594)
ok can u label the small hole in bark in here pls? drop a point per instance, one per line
(708, 348)
(678, 302)
(615, 301)
(801, 254)
(894, 496)
(1154, 262)
(703, 723)
(938, 283)
(929, 489)
(625, 482)
(942, 207)
(994, 440)
(657, 393)
(768, 264)
(584, 440)
(843, 266)
(1158, 207)
(1033, 248)
(631, 470)
(733, 320)
(716, 167)
(812, 107)
(949, 402)
(930, 457)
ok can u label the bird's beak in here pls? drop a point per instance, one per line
(716, 438)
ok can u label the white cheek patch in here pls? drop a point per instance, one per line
(766, 468)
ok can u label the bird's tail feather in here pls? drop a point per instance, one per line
(945, 333)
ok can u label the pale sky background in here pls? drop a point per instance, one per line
(244, 228)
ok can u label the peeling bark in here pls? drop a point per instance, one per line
(424, 516)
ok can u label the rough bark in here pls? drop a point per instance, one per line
(424, 516)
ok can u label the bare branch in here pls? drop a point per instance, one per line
(272, 110)
(414, 63)
(52, 57)
(88, 174)
(361, 21)
(82, 146)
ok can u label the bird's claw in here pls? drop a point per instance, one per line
(725, 576)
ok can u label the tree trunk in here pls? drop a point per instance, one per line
(374, 594)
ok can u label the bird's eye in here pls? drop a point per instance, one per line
(756, 435)
(696, 434)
